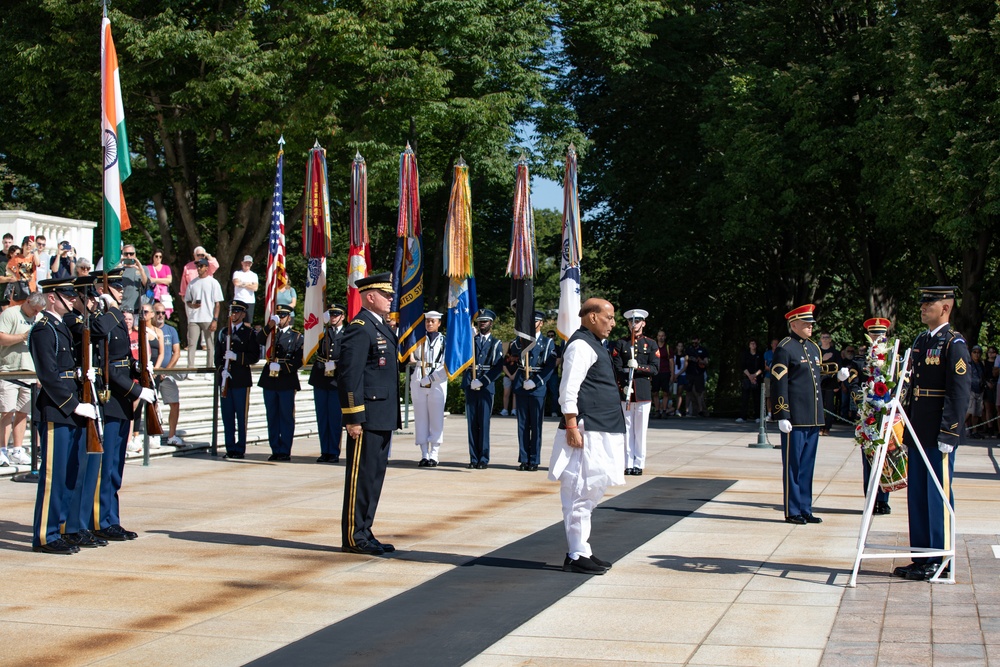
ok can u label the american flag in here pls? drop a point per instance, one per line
(276, 276)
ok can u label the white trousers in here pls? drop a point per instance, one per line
(636, 425)
(578, 506)
(428, 417)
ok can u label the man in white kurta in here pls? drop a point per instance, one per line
(429, 389)
(588, 453)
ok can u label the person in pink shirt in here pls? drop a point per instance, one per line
(160, 276)
(191, 271)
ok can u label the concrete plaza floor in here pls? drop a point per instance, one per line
(238, 559)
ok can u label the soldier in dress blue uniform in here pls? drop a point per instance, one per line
(799, 410)
(368, 382)
(122, 380)
(643, 358)
(84, 468)
(530, 384)
(323, 379)
(937, 400)
(280, 381)
(58, 416)
(236, 350)
(479, 385)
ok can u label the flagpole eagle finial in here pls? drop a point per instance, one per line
(460, 162)
(357, 156)
(316, 144)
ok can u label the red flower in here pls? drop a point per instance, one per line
(880, 389)
(870, 420)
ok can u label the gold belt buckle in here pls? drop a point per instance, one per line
(104, 395)
(275, 374)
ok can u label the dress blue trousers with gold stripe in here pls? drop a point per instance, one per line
(930, 525)
(367, 458)
(56, 444)
(798, 459)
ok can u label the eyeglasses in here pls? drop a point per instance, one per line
(128, 254)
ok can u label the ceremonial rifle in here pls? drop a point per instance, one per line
(153, 426)
(224, 389)
(89, 394)
(631, 371)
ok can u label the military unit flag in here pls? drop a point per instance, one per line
(523, 262)
(458, 345)
(408, 269)
(315, 247)
(572, 250)
(359, 256)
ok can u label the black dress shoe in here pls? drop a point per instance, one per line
(533, 467)
(582, 565)
(233, 455)
(60, 547)
(323, 458)
(129, 535)
(603, 563)
(482, 466)
(904, 571)
(811, 518)
(388, 548)
(636, 471)
(366, 548)
(797, 519)
(431, 463)
(274, 457)
(335, 459)
(882, 507)
(523, 466)
(472, 466)
(422, 464)
(628, 471)
(83, 540)
(111, 533)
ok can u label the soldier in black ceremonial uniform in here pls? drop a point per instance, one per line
(323, 378)
(368, 382)
(236, 350)
(637, 361)
(798, 408)
(479, 383)
(58, 416)
(937, 399)
(531, 381)
(84, 468)
(280, 381)
(121, 378)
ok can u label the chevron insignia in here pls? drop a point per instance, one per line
(779, 371)
(960, 367)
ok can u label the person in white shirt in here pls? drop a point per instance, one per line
(245, 283)
(588, 453)
(15, 396)
(203, 299)
(429, 389)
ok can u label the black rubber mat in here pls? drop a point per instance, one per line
(456, 616)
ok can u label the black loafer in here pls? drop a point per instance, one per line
(582, 565)
(811, 518)
(364, 548)
(797, 519)
(59, 547)
(603, 563)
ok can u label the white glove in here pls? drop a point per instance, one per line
(326, 317)
(330, 366)
(147, 395)
(632, 363)
(843, 373)
(476, 385)
(225, 376)
(785, 426)
(274, 366)
(425, 382)
(275, 319)
(92, 375)
(230, 355)
(946, 448)
(85, 410)
(107, 301)
(528, 385)
(149, 368)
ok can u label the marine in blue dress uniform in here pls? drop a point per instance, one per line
(236, 350)
(280, 381)
(480, 389)
(122, 380)
(798, 408)
(58, 416)
(323, 378)
(534, 373)
(368, 382)
(937, 400)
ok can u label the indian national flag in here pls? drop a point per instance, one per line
(116, 154)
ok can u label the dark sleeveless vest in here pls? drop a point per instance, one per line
(598, 402)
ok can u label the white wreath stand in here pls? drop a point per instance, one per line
(892, 551)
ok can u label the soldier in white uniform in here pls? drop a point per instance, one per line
(429, 389)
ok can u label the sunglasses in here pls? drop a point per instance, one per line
(158, 255)
(128, 254)
(159, 312)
